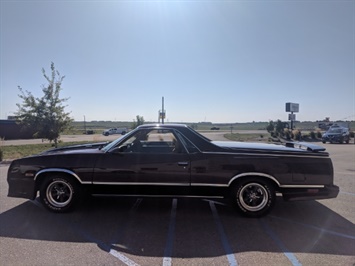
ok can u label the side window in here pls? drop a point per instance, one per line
(152, 141)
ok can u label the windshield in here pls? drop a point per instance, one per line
(112, 144)
(335, 130)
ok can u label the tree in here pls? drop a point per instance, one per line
(279, 128)
(139, 121)
(270, 128)
(46, 115)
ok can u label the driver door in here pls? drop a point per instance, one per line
(149, 157)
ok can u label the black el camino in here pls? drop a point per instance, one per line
(174, 160)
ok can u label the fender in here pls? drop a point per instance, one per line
(61, 170)
(256, 174)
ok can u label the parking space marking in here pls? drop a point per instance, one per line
(315, 227)
(122, 258)
(230, 255)
(347, 193)
(216, 202)
(171, 232)
(291, 257)
(107, 247)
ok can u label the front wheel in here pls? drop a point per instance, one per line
(59, 193)
(253, 197)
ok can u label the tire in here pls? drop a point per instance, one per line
(253, 197)
(59, 193)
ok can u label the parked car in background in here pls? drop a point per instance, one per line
(111, 131)
(336, 134)
(174, 160)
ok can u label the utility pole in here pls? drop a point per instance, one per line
(162, 110)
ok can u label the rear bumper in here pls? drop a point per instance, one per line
(327, 192)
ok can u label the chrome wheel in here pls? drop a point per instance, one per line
(253, 197)
(59, 193)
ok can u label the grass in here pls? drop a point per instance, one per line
(247, 137)
(18, 151)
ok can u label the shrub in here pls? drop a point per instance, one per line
(319, 134)
(312, 135)
(297, 134)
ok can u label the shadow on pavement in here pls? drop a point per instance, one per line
(140, 227)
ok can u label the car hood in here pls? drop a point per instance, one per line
(82, 148)
(332, 134)
(284, 147)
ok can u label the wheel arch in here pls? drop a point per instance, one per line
(268, 177)
(45, 172)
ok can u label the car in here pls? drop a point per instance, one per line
(175, 160)
(336, 134)
(112, 131)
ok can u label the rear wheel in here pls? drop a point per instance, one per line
(253, 197)
(59, 193)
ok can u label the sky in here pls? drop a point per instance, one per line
(212, 61)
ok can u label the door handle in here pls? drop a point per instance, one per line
(183, 163)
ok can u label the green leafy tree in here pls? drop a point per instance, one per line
(45, 116)
(139, 121)
(279, 128)
(270, 127)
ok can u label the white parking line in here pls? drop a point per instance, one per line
(347, 193)
(119, 255)
(225, 243)
(122, 258)
(216, 202)
(291, 257)
(169, 242)
(316, 228)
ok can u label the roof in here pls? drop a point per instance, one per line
(163, 125)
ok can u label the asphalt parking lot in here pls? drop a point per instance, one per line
(168, 231)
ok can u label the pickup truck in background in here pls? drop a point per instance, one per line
(111, 131)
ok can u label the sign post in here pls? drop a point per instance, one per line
(293, 108)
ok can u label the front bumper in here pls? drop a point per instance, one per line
(328, 192)
(333, 138)
(21, 187)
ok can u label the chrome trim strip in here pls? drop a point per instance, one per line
(61, 170)
(156, 196)
(208, 185)
(316, 155)
(275, 180)
(205, 184)
(254, 174)
(302, 186)
(141, 184)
